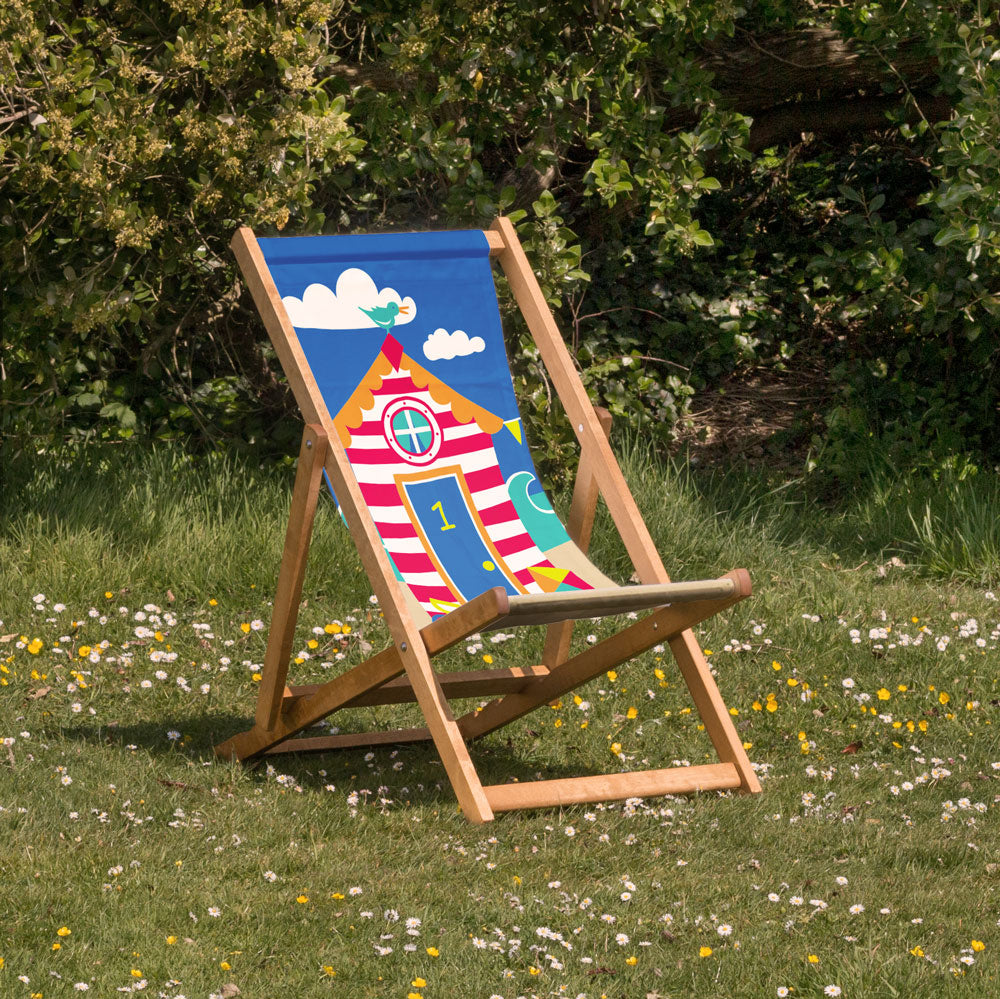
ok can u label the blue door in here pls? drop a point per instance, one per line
(454, 537)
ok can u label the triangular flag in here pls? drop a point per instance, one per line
(444, 606)
(514, 426)
(547, 577)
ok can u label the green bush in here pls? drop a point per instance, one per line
(677, 253)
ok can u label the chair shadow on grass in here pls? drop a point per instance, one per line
(498, 758)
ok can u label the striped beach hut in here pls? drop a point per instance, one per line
(425, 460)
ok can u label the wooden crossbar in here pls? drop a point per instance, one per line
(544, 608)
(461, 683)
(612, 787)
(351, 740)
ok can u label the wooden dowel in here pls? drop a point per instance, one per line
(612, 787)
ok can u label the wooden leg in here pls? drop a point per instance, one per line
(580, 524)
(707, 699)
(305, 494)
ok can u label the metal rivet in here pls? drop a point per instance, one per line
(309, 444)
(655, 626)
(580, 427)
(402, 646)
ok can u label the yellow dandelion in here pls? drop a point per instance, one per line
(882, 694)
(302, 899)
(633, 960)
(433, 952)
(245, 627)
(943, 697)
(632, 713)
(705, 952)
(977, 946)
(63, 931)
(812, 959)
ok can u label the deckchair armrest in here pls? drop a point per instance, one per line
(543, 608)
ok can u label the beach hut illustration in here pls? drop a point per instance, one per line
(425, 460)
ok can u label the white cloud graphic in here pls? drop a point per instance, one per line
(319, 308)
(443, 346)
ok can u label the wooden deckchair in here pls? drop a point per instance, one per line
(335, 309)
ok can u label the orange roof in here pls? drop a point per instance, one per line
(391, 358)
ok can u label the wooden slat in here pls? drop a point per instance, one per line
(284, 615)
(540, 608)
(660, 626)
(613, 787)
(351, 740)
(467, 683)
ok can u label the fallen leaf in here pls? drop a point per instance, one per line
(170, 597)
(852, 747)
(39, 692)
(229, 990)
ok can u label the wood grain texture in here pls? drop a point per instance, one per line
(285, 612)
(612, 787)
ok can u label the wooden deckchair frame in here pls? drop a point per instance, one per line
(403, 671)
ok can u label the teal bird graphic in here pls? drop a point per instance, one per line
(384, 315)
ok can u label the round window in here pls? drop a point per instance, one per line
(412, 430)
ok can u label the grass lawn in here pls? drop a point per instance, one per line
(134, 593)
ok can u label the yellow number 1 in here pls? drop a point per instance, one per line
(440, 510)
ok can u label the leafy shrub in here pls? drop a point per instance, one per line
(141, 134)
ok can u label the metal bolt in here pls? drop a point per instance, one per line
(309, 444)
(402, 646)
